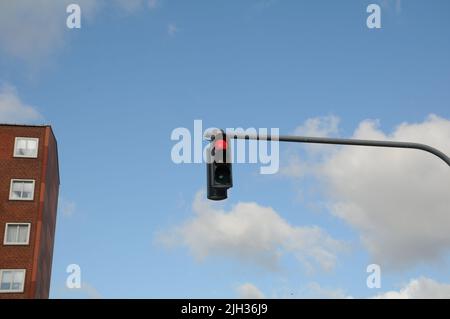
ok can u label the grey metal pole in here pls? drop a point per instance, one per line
(341, 141)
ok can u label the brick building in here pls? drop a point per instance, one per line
(29, 185)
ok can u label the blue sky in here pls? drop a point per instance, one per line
(115, 89)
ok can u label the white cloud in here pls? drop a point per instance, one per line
(129, 5)
(319, 126)
(91, 291)
(392, 5)
(324, 126)
(249, 291)
(315, 290)
(311, 290)
(87, 291)
(420, 288)
(66, 207)
(13, 110)
(265, 4)
(251, 233)
(398, 6)
(153, 4)
(172, 29)
(398, 200)
(33, 29)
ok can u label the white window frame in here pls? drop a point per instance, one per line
(21, 180)
(13, 290)
(5, 238)
(28, 139)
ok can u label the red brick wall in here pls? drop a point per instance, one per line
(49, 208)
(23, 257)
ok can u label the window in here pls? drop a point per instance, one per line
(26, 147)
(22, 189)
(17, 234)
(12, 280)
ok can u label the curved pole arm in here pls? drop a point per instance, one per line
(340, 141)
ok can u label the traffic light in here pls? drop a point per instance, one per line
(218, 167)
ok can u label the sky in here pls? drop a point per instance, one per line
(139, 225)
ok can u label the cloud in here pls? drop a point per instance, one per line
(319, 126)
(91, 291)
(398, 6)
(315, 290)
(87, 291)
(251, 233)
(131, 6)
(312, 290)
(67, 208)
(249, 291)
(392, 5)
(172, 29)
(33, 29)
(264, 4)
(398, 200)
(153, 4)
(420, 288)
(13, 110)
(324, 126)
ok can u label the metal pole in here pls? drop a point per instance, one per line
(340, 141)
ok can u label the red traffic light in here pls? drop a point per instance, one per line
(221, 145)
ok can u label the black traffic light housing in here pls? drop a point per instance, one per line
(218, 167)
